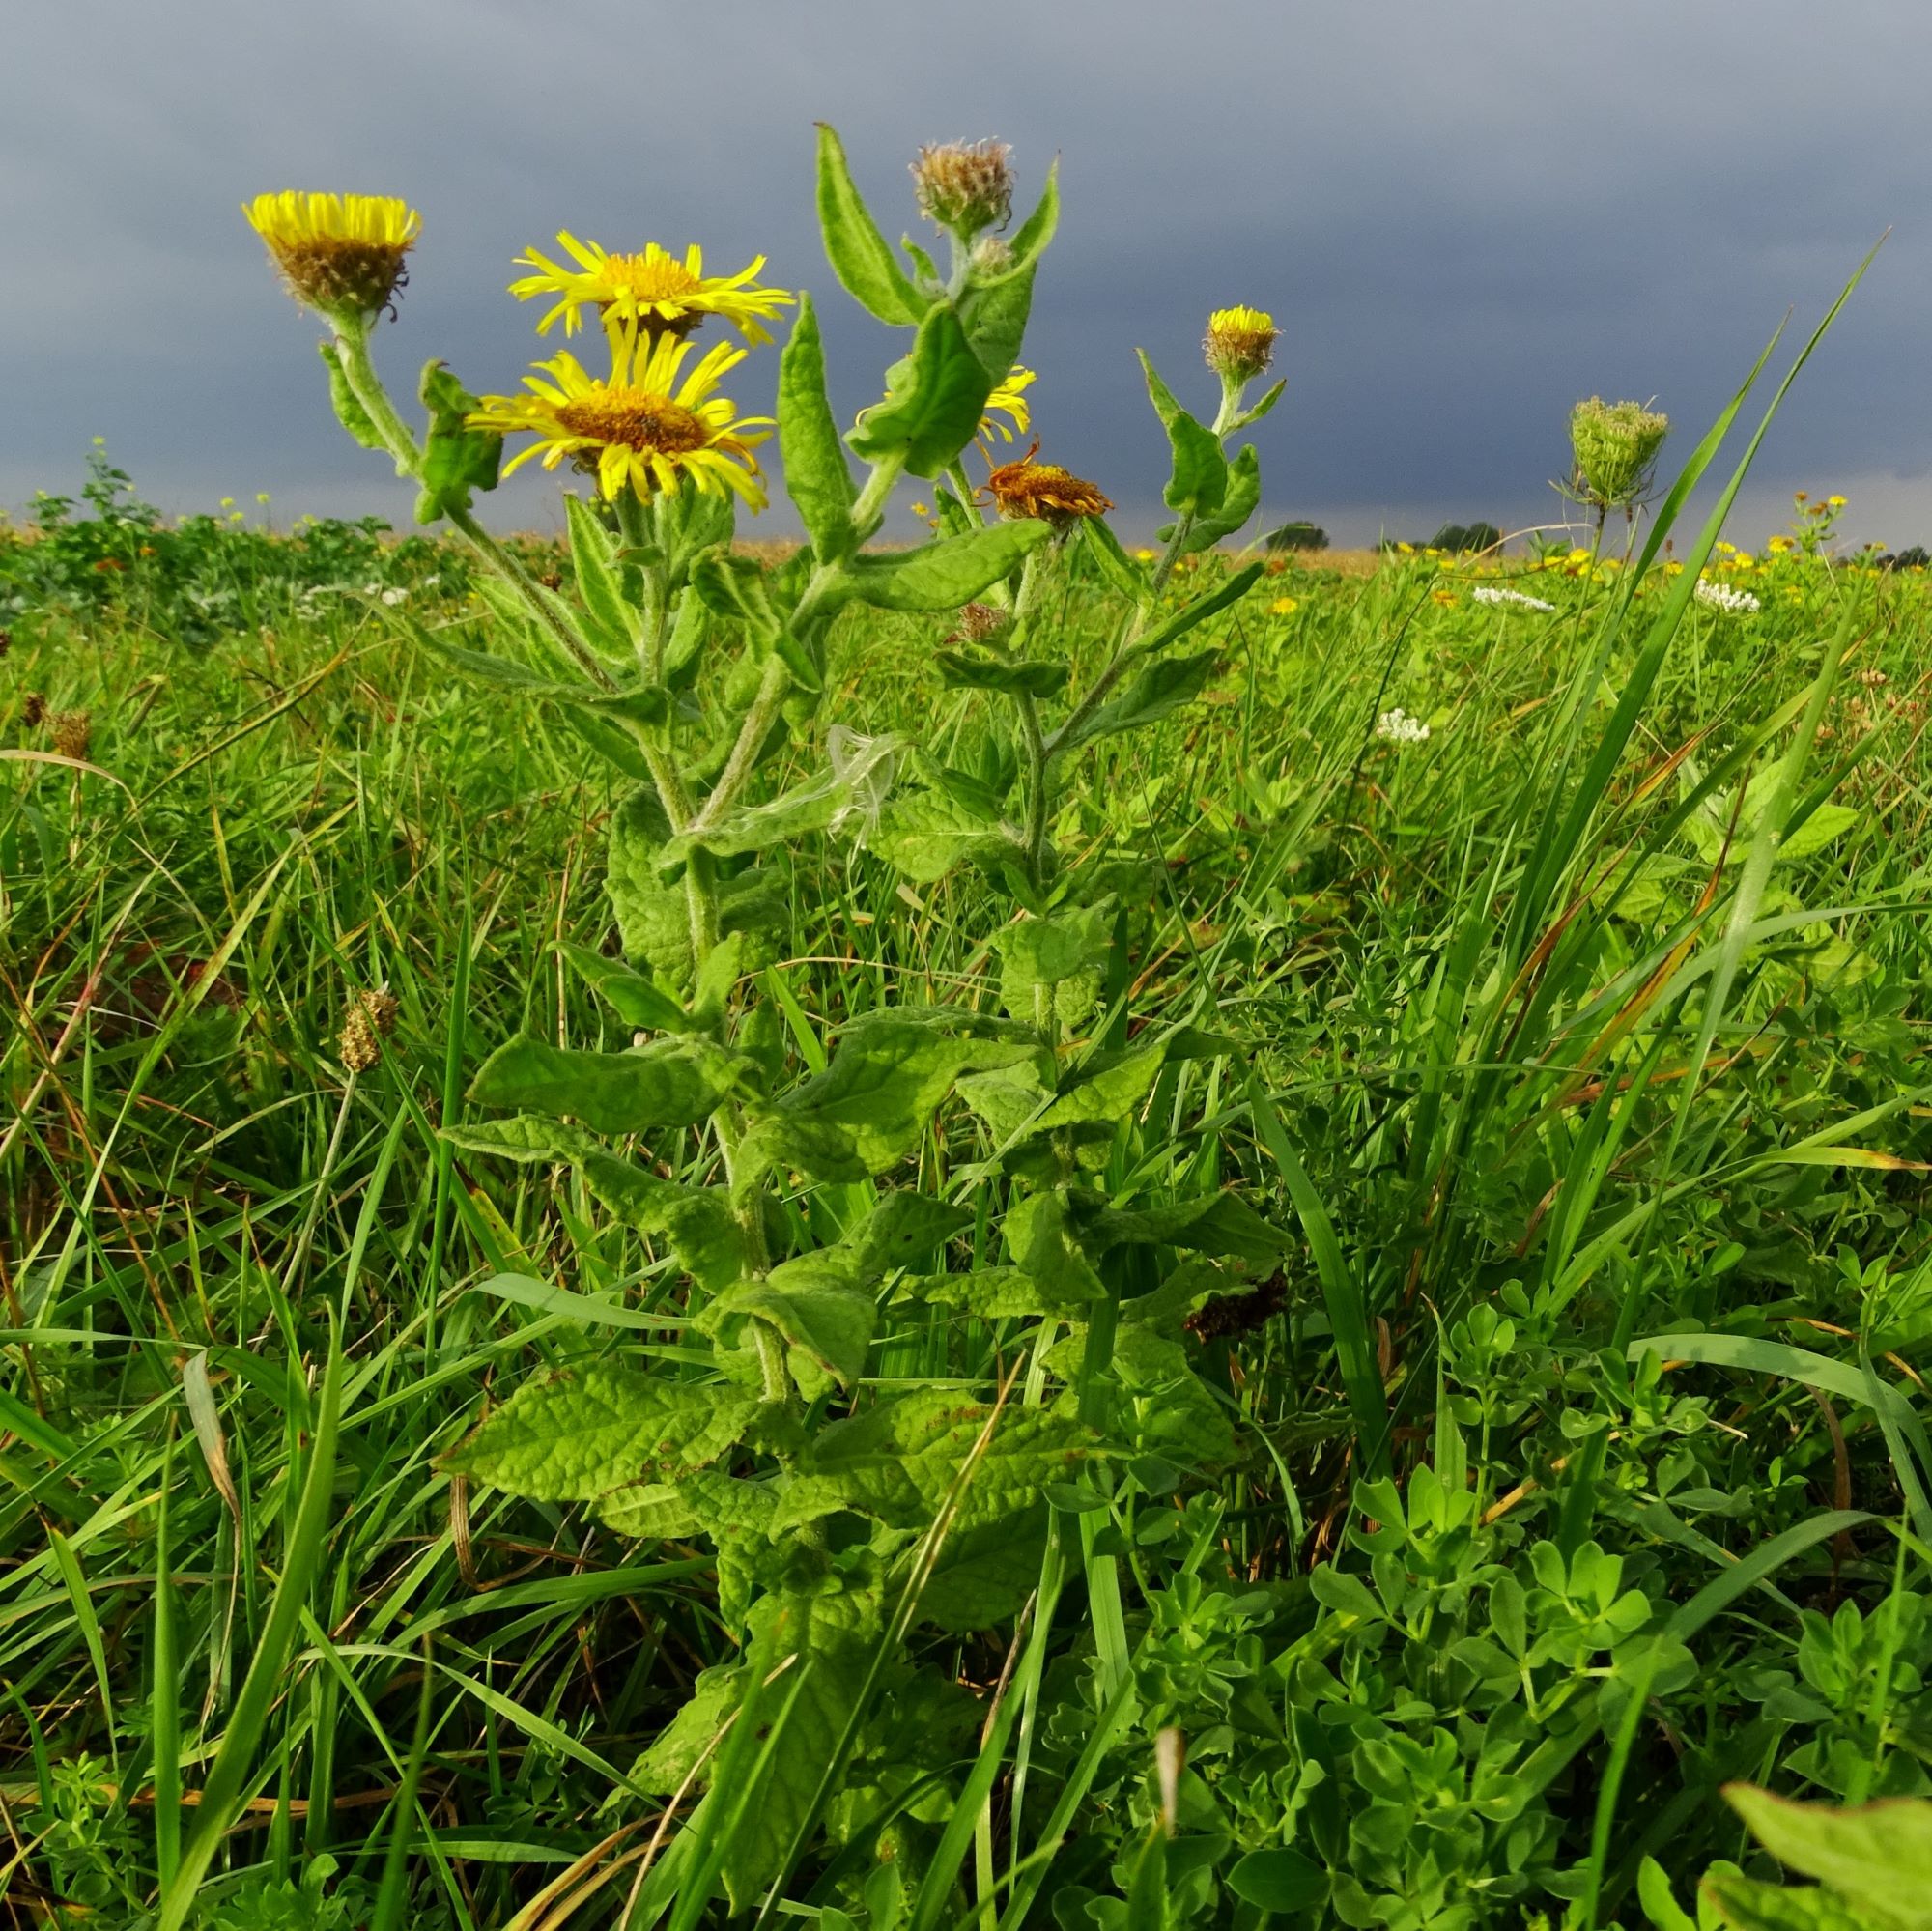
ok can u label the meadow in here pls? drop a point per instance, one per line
(1286, 1291)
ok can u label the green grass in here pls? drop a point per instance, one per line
(1611, 1051)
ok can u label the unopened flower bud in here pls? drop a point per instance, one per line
(1240, 343)
(1614, 446)
(991, 257)
(965, 186)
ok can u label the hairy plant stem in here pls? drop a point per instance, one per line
(359, 371)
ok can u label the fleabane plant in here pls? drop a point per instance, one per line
(844, 1516)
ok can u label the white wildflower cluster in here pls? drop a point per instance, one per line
(1489, 593)
(1399, 727)
(1721, 597)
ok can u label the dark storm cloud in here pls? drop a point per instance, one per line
(1463, 217)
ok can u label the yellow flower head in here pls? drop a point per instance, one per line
(653, 291)
(643, 430)
(1008, 398)
(1284, 607)
(1834, 502)
(1240, 343)
(339, 253)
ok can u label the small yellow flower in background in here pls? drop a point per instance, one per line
(653, 291)
(1405, 549)
(1143, 554)
(921, 509)
(1442, 596)
(642, 430)
(339, 253)
(1008, 398)
(1240, 343)
(1778, 545)
(1284, 607)
(1834, 502)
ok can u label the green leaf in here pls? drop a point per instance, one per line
(1120, 572)
(1279, 1880)
(1041, 1239)
(815, 477)
(697, 1222)
(1157, 690)
(905, 1227)
(1108, 1088)
(736, 587)
(830, 1639)
(943, 575)
(1044, 952)
(1217, 600)
(635, 1000)
(686, 1742)
(600, 581)
(669, 1083)
(1878, 1856)
(981, 670)
(1255, 411)
(1749, 1905)
(867, 1109)
(927, 835)
(350, 412)
(934, 399)
(457, 460)
(1003, 1293)
(865, 267)
(572, 1434)
(1243, 498)
(818, 804)
(1199, 478)
(1217, 1224)
(546, 1297)
(994, 315)
(813, 1301)
(897, 1463)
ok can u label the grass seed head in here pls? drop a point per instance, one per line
(72, 731)
(369, 1019)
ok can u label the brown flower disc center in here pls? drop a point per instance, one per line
(639, 421)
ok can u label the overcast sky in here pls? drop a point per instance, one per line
(1463, 218)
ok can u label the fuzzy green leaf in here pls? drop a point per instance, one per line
(987, 671)
(574, 1433)
(867, 1109)
(635, 1000)
(994, 315)
(1876, 1857)
(669, 1083)
(457, 460)
(348, 411)
(943, 575)
(1199, 476)
(815, 477)
(904, 1226)
(600, 579)
(1157, 690)
(934, 399)
(1217, 600)
(1242, 498)
(813, 1303)
(865, 267)
(1218, 1224)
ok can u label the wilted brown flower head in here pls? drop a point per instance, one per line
(33, 708)
(72, 731)
(980, 622)
(965, 186)
(1046, 491)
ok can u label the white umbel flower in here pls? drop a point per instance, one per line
(1489, 593)
(1721, 597)
(1396, 727)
